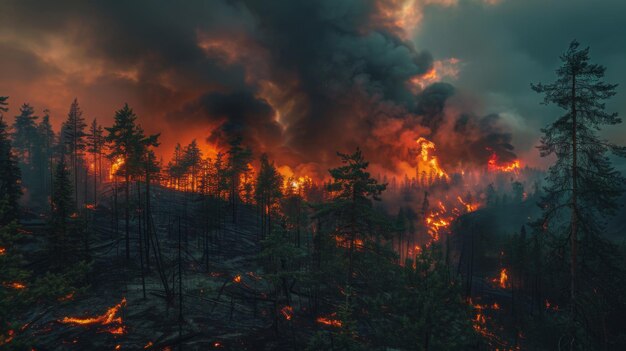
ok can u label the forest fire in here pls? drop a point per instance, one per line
(330, 321)
(427, 163)
(114, 324)
(15, 285)
(503, 280)
(116, 165)
(494, 165)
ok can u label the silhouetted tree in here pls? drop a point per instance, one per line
(96, 143)
(129, 143)
(352, 191)
(583, 186)
(267, 193)
(10, 176)
(44, 153)
(238, 159)
(25, 134)
(192, 157)
(73, 138)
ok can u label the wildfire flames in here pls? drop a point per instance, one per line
(493, 165)
(113, 323)
(428, 164)
(330, 321)
(503, 280)
(115, 167)
(15, 285)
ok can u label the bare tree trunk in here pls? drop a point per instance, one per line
(127, 208)
(574, 211)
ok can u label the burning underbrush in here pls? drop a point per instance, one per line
(109, 322)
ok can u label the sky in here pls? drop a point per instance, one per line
(301, 80)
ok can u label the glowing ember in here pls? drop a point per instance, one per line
(90, 206)
(345, 243)
(329, 321)
(550, 306)
(67, 297)
(148, 345)
(502, 281)
(108, 318)
(15, 285)
(237, 279)
(9, 338)
(494, 166)
(287, 312)
(2, 250)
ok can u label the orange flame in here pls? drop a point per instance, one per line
(502, 280)
(428, 163)
(115, 167)
(108, 318)
(287, 312)
(330, 321)
(494, 166)
(15, 285)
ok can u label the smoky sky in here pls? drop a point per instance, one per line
(304, 79)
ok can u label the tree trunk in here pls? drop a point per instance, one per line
(574, 210)
(127, 208)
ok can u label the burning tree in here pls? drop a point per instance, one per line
(129, 143)
(582, 186)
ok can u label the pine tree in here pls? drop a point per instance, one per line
(352, 191)
(44, 153)
(10, 175)
(73, 138)
(129, 143)
(25, 134)
(238, 159)
(267, 193)
(95, 148)
(192, 157)
(3, 104)
(583, 187)
(65, 234)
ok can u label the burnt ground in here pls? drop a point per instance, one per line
(224, 307)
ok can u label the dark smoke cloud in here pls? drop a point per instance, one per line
(298, 79)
